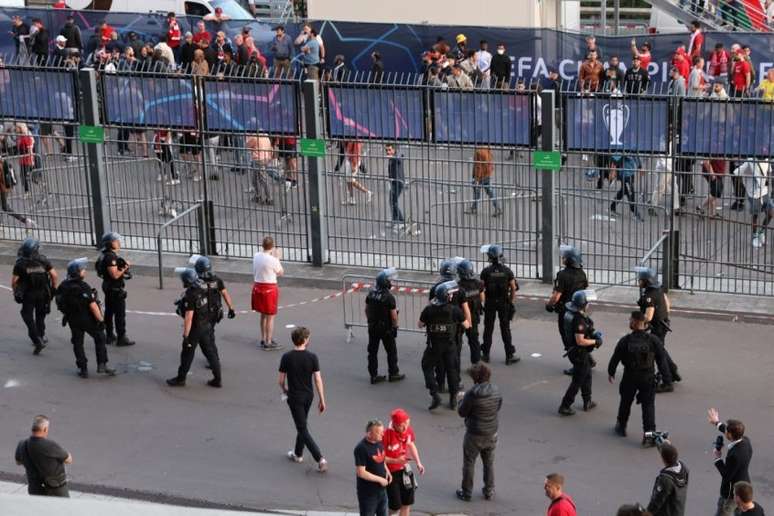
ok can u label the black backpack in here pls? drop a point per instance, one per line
(100, 267)
(214, 301)
(66, 298)
(642, 355)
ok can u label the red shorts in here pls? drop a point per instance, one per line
(265, 298)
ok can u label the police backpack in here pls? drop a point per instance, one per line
(214, 301)
(100, 266)
(36, 274)
(642, 356)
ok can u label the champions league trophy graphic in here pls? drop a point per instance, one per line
(616, 118)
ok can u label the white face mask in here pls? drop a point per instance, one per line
(446, 65)
(501, 51)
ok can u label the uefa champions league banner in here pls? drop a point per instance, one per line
(264, 107)
(149, 101)
(360, 111)
(727, 127)
(615, 123)
(38, 94)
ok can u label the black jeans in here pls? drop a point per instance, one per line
(643, 387)
(503, 313)
(472, 446)
(61, 492)
(581, 378)
(473, 343)
(33, 312)
(69, 131)
(98, 335)
(202, 337)
(376, 335)
(373, 504)
(396, 189)
(661, 332)
(440, 355)
(115, 311)
(627, 189)
(299, 410)
(7, 208)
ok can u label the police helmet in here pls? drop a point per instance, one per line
(385, 277)
(448, 268)
(465, 270)
(580, 300)
(187, 275)
(443, 292)
(647, 276)
(201, 264)
(571, 256)
(110, 237)
(29, 247)
(493, 251)
(75, 267)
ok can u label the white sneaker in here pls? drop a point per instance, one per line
(292, 457)
(288, 185)
(349, 201)
(762, 238)
(322, 466)
(756, 241)
(158, 178)
(30, 224)
(172, 182)
(369, 196)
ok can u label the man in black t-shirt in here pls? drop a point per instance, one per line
(44, 461)
(371, 472)
(743, 496)
(299, 368)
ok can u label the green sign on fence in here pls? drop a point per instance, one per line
(312, 148)
(547, 160)
(91, 134)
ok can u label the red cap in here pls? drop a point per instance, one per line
(399, 416)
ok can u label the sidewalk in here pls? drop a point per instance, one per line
(733, 307)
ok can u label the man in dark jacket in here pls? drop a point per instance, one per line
(735, 467)
(479, 407)
(501, 68)
(39, 45)
(73, 34)
(671, 487)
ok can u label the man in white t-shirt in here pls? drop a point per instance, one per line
(754, 175)
(266, 268)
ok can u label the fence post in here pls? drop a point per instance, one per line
(318, 226)
(548, 186)
(95, 154)
(671, 274)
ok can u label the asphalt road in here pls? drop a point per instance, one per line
(227, 446)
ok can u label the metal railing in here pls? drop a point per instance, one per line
(199, 209)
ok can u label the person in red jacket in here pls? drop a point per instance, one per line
(561, 503)
(719, 63)
(696, 42)
(681, 61)
(174, 35)
(741, 75)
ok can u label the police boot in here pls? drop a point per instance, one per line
(512, 359)
(566, 411)
(104, 369)
(435, 403)
(176, 382)
(485, 357)
(378, 379)
(665, 387)
(648, 442)
(215, 382)
(620, 429)
(453, 401)
(83, 372)
(110, 339)
(592, 362)
(396, 377)
(123, 340)
(589, 405)
(569, 371)
(38, 348)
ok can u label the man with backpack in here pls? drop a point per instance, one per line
(114, 272)
(216, 293)
(79, 305)
(33, 280)
(639, 352)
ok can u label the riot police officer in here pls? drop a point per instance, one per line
(442, 318)
(639, 352)
(569, 280)
(448, 272)
(654, 303)
(580, 340)
(194, 308)
(33, 282)
(79, 305)
(216, 293)
(382, 315)
(472, 293)
(499, 297)
(114, 270)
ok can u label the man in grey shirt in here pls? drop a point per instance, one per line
(677, 83)
(282, 47)
(43, 461)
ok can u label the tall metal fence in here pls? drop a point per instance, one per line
(407, 174)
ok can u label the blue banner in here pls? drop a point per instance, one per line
(367, 112)
(612, 123)
(149, 101)
(38, 95)
(727, 127)
(495, 118)
(251, 106)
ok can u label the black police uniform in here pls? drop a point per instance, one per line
(580, 356)
(115, 295)
(34, 293)
(568, 281)
(195, 299)
(440, 370)
(379, 304)
(659, 325)
(213, 285)
(442, 323)
(470, 291)
(639, 352)
(497, 278)
(74, 298)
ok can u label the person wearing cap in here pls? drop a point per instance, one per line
(114, 271)
(33, 279)
(217, 17)
(460, 50)
(400, 449)
(639, 352)
(501, 67)
(382, 315)
(60, 52)
(39, 41)
(282, 48)
(72, 34)
(80, 307)
(569, 280)
(636, 78)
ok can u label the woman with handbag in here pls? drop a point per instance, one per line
(7, 182)
(400, 449)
